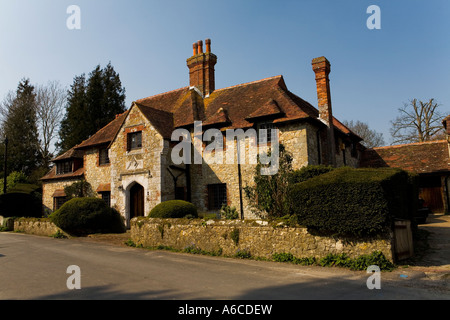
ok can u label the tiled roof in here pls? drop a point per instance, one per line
(104, 135)
(73, 175)
(426, 157)
(71, 154)
(230, 108)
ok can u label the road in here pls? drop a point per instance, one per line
(35, 268)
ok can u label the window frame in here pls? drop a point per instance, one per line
(103, 157)
(217, 193)
(269, 126)
(130, 142)
(64, 167)
(58, 202)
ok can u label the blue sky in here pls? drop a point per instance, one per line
(373, 71)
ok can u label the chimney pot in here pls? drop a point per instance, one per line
(208, 45)
(200, 46)
(195, 46)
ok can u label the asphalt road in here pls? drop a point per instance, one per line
(35, 268)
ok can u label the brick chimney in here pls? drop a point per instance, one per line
(322, 68)
(201, 68)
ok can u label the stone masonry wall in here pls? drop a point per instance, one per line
(49, 189)
(142, 166)
(259, 238)
(299, 139)
(39, 227)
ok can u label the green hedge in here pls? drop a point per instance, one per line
(174, 209)
(354, 202)
(20, 205)
(82, 216)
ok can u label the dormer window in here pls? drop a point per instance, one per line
(265, 132)
(134, 140)
(64, 167)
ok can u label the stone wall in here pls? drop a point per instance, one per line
(49, 188)
(39, 227)
(259, 238)
(300, 139)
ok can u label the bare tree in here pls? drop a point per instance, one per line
(371, 138)
(51, 100)
(418, 122)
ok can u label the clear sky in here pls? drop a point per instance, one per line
(373, 71)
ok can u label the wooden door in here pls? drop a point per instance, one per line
(136, 201)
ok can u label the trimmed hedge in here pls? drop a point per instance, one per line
(20, 205)
(174, 209)
(81, 216)
(309, 172)
(354, 202)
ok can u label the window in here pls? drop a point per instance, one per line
(106, 196)
(265, 132)
(134, 140)
(103, 157)
(64, 167)
(58, 202)
(217, 196)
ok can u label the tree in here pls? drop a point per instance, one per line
(92, 104)
(51, 101)
(73, 130)
(418, 122)
(20, 127)
(371, 138)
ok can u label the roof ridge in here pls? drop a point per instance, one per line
(410, 144)
(161, 94)
(249, 83)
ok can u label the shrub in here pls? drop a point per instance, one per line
(20, 205)
(353, 202)
(309, 172)
(174, 209)
(82, 216)
(79, 189)
(229, 213)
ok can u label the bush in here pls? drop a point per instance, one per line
(20, 205)
(353, 202)
(229, 213)
(81, 216)
(174, 209)
(309, 172)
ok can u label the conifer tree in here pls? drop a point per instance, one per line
(92, 104)
(20, 127)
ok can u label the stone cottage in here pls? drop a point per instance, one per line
(130, 162)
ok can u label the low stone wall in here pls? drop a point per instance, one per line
(34, 226)
(259, 238)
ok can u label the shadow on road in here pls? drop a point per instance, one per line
(107, 292)
(433, 242)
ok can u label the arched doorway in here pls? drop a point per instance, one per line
(136, 201)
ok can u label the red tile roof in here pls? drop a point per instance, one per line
(67, 176)
(104, 135)
(230, 108)
(426, 157)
